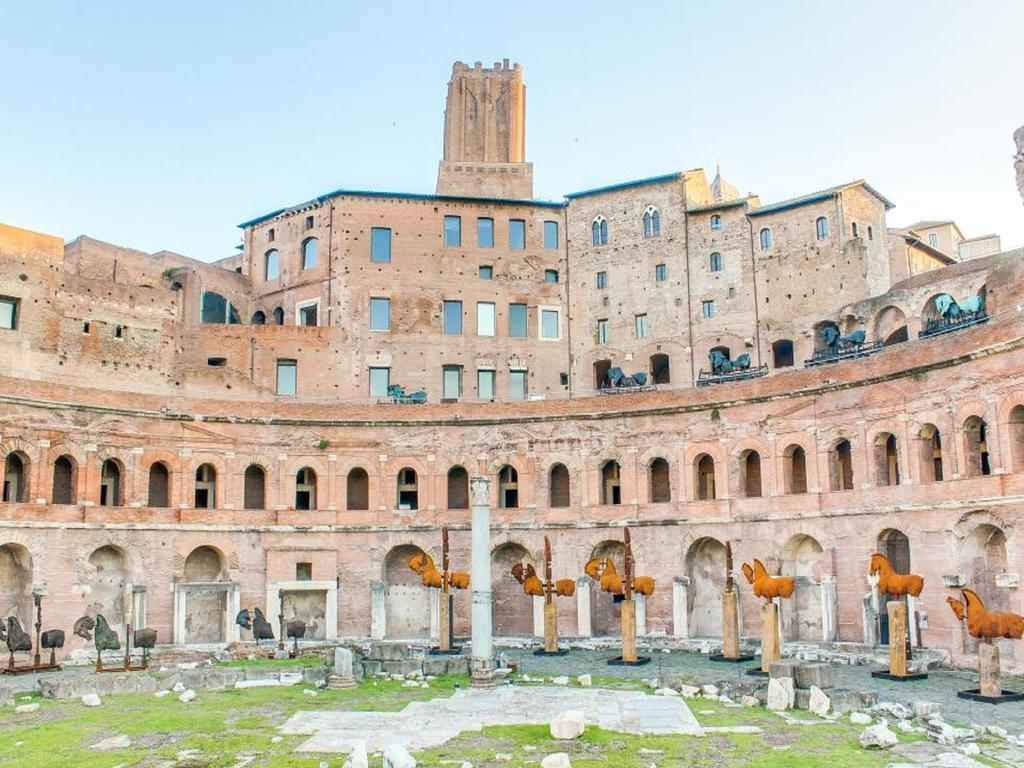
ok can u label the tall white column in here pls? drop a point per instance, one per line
(583, 584)
(538, 616)
(482, 665)
(680, 614)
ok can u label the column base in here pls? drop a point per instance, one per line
(975, 694)
(639, 661)
(337, 683)
(884, 674)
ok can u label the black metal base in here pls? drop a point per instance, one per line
(559, 652)
(882, 674)
(455, 650)
(16, 670)
(730, 659)
(618, 661)
(975, 694)
(757, 672)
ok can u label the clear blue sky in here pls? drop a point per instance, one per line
(163, 125)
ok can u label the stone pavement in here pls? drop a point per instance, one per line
(425, 724)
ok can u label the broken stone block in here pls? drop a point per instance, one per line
(749, 701)
(817, 674)
(24, 709)
(556, 760)
(568, 725)
(397, 756)
(819, 703)
(585, 680)
(878, 737)
(91, 700)
(117, 742)
(187, 696)
(780, 694)
(860, 718)
(783, 668)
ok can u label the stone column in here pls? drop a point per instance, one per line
(378, 609)
(829, 610)
(178, 628)
(915, 640)
(482, 665)
(435, 612)
(680, 616)
(538, 616)
(233, 603)
(641, 614)
(343, 676)
(583, 585)
(770, 646)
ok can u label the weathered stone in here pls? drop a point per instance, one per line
(845, 700)
(24, 709)
(435, 665)
(358, 758)
(878, 737)
(187, 696)
(91, 700)
(115, 742)
(819, 703)
(585, 680)
(394, 652)
(815, 674)
(750, 701)
(780, 694)
(711, 691)
(783, 668)
(372, 668)
(560, 680)
(667, 692)
(926, 709)
(556, 760)
(397, 756)
(458, 665)
(568, 725)
(860, 718)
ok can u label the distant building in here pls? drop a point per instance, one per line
(946, 237)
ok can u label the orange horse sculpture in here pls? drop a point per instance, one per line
(983, 623)
(532, 585)
(603, 570)
(765, 586)
(892, 583)
(423, 564)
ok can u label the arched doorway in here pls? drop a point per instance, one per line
(891, 326)
(982, 558)
(705, 567)
(929, 443)
(801, 559)
(611, 484)
(750, 474)
(16, 584)
(660, 369)
(895, 546)
(108, 583)
(407, 603)
(604, 611)
(15, 480)
(65, 476)
(511, 609)
(205, 604)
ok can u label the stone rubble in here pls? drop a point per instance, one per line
(878, 737)
(568, 725)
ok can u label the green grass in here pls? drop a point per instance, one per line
(300, 661)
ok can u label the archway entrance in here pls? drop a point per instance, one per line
(705, 566)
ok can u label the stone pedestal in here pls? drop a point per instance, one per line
(482, 663)
(583, 585)
(680, 616)
(628, 619)
(378, 609)
(730, 625)
(897, 611)
(550, 628)
(342, 677)
(988, 670)
(770, 650)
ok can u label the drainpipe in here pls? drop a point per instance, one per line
(330, 264)
(689, 296)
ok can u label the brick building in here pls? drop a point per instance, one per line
(180, 439)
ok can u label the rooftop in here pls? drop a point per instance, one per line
(816, 197)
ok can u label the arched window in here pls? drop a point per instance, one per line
(841, 466)
(206, 487)
(891, 326)
(661, 373)
(305, 489)
(976, 447)
(159, 485)
(259, 317)
(795, 469)
(782, 353)
(599, 231)
(278, 316)
(357, 489)
(652, 222)
(766, 239)
(887, 461)
(930, 442)
(750, 474)
(704, 472)
(508, 487)
(821, 228)
(254, 491)
(64, 476)
(408, 489)
(715, 262)
(661, 484)
(558, 486)
(271, 265)
(611, 491)
(854, 225)
(110, 484)
(716, 222)
(458, 488)
(15, 478)
(310, 246)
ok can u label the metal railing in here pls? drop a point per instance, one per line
(707, 378)
(841, 353)
(940, 325)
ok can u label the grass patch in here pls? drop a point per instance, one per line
(301, 662)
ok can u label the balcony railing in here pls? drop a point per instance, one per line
(707, 378)
(842, 352)
(940, 325)
(627, 390)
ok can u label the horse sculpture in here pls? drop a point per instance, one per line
(983, 623)
(765, 586)
(950, 309)
(603, 571)
(720, 362)
(891, 583)
(835, 340)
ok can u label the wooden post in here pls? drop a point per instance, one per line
(897, 610)
(550, 628)
(444, 621)
(730, 625)
(988, 670)
(770, 650)
(628, 631)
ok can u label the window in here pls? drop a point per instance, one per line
(517, 321)
(458, 488)
(599, 231)
(110, 484)
(611, 486)
(660, 273)
(309, 250)
(602, 280)
(270, 235)
(516, 234)
(855, 229)
(484, 318)
(452, 318)
(216, 309)
(217, 362)
(486, 272)
(453, 231)
(871, 233)
(708, 308)
(259, 317)
(933, 240)
(271, 265)
(380, 314)
(549, 324)
(716, 222)
(15, 485)
(254, 487)
(517, 385)
(766, 239)
(380, 245)
(309, 222)
(640, 323)
(821, 227)
(85, 326)
(550, 275)
(558, 486)
(357, 489)
(452, 382)
(286, 377)
(661, 369)
(602, 331)
(278, 316)
(305, 489)
(206, 487)
(118, 331)
(303, 571)
(485, 233)
(715, 262)
(732, 292)
(782, 353)
(380, 380)
(550, 234)
(652, 222)
(408, 489)
(485, 384)
(508, 487)
(306, 314)
(64, 481)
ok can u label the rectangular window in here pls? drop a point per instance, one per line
(485, 385)
(660, 273)
(486, 272)
(933, 240)
(452, 382)
(516, 234)
(485, 233)
(517, 385)
(309, 222)
(380, 380)
(517, 321)
(549, 324)
(642, 329)
(270, 235)
(602, 280)
(484, 318)
(602, 331)
(8, 313)
(287, 371)
(307, 314)
(453, 318)
(453, 231)
(550, 275)
(708, 308)
(380, 314)
(550, 234)
(380, 245)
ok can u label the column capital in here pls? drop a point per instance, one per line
(480, 490)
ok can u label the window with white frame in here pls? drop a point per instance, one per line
(484, 318)
(8, 313)
(307, 313)
(380, 380)
(708, 308)
(821, 227)
(517, 384)
(451, 382)
(380, 314)
(550, 323)
(599, 231)
(652, 222)
(602, 280)
(602, 331)
(287, 377)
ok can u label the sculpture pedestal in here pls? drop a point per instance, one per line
(730, 630)
(991, 690)
(628, 619)
(550, 633)
(897, 611)
(770, 650)
(444, 615)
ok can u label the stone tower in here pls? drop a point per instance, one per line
(485, 134)
(1018, 137)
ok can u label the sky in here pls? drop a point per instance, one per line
(163, 125)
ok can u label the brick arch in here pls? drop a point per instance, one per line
(741, 484)
(977, 518)
(783, 461)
